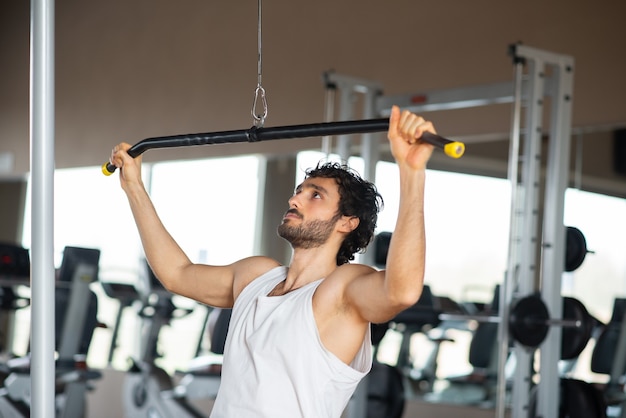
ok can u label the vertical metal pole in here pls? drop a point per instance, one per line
(529, 232)
(557, 180)
(42, 198)
(329, 114)
(370, 149)
(370, 152)
(513, 256)
(345, 113)
(348, 88)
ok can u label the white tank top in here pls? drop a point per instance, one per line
(275, 365)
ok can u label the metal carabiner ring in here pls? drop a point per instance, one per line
(259, 119)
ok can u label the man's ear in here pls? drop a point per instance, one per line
(349, 223)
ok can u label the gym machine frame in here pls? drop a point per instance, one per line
(548, 75)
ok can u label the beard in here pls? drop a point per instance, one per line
(308, 234)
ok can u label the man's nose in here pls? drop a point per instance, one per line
(293, 201)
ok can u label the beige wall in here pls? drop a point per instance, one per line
(128, 70)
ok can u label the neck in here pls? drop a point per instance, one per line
(308, 265)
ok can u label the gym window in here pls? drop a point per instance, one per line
(210, 222)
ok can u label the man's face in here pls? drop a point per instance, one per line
(312, 213)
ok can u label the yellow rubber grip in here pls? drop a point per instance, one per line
(105, 171)
(454, 149)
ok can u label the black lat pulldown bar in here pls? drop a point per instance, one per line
(453, 149)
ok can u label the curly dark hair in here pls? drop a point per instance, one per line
(358, 197)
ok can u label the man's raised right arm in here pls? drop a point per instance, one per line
(212, 285)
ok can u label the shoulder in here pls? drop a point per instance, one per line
(346, 276)
(350, 272)
(248, 269)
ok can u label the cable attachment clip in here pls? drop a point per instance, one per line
(259, 118)
(251, 134)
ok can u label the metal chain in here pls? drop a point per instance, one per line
(259, 92)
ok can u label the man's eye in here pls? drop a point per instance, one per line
(316, 195)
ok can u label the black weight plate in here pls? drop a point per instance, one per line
(528, 321)
(575, 248)
(575, 339)
(580, 400)
(577, 399)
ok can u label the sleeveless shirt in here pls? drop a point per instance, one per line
(275, 365)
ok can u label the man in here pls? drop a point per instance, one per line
(299, 342)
